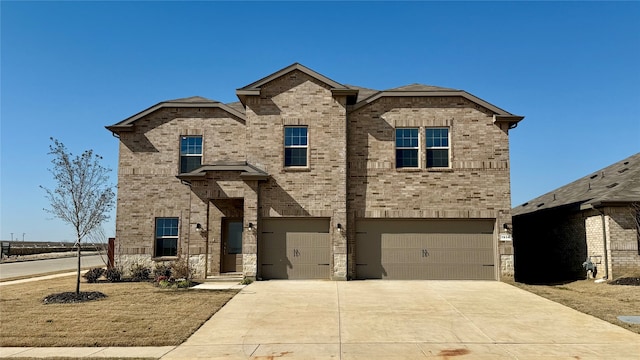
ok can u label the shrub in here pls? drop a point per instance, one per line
(161, 270)
(246, 281)
(93, 275)
(113, 274)
(140, 272)
(180, 269)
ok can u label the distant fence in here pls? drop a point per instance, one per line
(11, 248)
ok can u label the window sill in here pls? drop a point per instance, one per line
(408, 169)
(439, 169)
(164, 258)
(296, 169)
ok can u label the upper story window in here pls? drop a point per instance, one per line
(166, 237)
(437, 140)
(190, 153)
(296, 146)
(407, 148)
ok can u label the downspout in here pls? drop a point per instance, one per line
(184, 182)
(604, 243)
(206, 244)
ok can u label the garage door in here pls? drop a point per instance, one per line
(294, 249)
(425, 249)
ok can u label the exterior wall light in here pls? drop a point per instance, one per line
(252, 227)
(340, 229)
(199, 228)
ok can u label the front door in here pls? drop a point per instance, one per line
(232, 246)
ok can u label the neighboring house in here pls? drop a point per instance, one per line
(595, 218)
(309, 178)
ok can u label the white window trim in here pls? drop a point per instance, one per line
(427, 148)
(180, 154)
(407, 148)
(284, 157)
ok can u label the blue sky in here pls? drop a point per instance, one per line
(70, 68)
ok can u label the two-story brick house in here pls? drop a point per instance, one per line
(309, 178)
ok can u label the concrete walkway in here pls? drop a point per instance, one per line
(386, 320)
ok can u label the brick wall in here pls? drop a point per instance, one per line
(148, 187)
(622, 234)
(476, 186)
(319, 190)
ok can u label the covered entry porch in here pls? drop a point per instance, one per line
(227, 224)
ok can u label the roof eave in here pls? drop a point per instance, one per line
(128, 123)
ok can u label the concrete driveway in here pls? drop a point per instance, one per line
(401, 320)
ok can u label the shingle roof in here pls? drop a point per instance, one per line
(421, 87)
(617, 183)
(193, 101)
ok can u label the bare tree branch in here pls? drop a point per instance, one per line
(83, 196)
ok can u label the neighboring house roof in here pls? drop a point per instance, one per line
(615, 184)
(247, 170)
(194, 101)
(254, 87)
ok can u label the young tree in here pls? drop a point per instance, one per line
(83, 196)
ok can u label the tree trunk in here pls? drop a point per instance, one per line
(78, 277)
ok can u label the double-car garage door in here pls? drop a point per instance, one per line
(294, 249)
(425, 249)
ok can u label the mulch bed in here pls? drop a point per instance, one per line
(634, 281)
(72, 297)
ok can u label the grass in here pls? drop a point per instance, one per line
(603, 301)
(133, 314)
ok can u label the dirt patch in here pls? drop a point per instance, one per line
(72, 297)
(633, 281)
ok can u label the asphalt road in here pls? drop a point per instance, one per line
(36, 267)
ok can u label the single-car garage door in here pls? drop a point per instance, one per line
(294, 249)
(425, 249)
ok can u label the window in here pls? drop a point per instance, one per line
(406, 147)
(166, 237)
(295, 146)
(190, 153)
(437, 147)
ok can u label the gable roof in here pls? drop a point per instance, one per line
(500, 115)
(254, 87)
(616, 184)
(188, 102)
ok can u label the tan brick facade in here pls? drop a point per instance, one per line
(351, 169)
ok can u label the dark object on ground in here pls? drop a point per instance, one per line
(72, 298)
(93, 275)
(634, 281)
(113, 274)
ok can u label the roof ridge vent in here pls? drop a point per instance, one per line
(610, 186)
(593, 176)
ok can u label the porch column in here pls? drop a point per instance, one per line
(250, 235)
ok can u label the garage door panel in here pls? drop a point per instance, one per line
(295, 249)
(397, 249)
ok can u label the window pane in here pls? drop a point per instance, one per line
(191, 145)
(166, 247)
(234, 240)
(166, 227)
(295, 157)
(189, 163)
(437, 158)
(406, 158)
(406, 137)
(437, 137)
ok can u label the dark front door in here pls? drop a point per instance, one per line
(232, 246)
